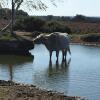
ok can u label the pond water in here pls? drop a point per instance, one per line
(78, 76)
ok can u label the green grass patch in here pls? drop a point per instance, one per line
(6, 36)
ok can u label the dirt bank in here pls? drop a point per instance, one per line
(13, 91)
(16, 47)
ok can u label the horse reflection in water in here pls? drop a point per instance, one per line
(59, 68)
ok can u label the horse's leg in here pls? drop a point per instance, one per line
(57, 54)
(50, 55)
(62, 55)
(65, 53)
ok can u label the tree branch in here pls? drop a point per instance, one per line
(18, 5)
(6, 27)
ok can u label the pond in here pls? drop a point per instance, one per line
(78, 76)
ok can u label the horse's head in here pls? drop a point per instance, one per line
(40, 39)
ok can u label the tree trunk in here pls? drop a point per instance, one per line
(13, 14)
(12, 17)
(6, 27)
(11, 23)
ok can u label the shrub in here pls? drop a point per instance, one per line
(29, 24)
(56, 26)
(91, 38)
(35, 24)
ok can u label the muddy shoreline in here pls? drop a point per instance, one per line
(15, 91)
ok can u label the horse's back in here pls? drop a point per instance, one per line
(60, 40)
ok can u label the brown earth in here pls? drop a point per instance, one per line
(13, 91)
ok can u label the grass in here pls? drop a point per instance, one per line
(6, 36)
(75, 38)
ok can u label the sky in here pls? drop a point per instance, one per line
(71, 8)
(68, 8)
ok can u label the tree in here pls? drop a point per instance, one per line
(5, 13)
(35, 4)
(79, 18)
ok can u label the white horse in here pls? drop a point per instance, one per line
(55, 41)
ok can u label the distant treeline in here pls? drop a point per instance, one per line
(6, 13)
(76, 18)
(78, 24)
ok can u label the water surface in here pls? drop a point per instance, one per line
(79, 75)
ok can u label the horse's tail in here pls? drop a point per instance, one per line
(69, 50)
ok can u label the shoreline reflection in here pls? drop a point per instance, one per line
(8, 64)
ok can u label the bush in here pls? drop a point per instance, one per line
(5, 13)
(91, 38)
(29, 24)
(56, 26)
(35, 24)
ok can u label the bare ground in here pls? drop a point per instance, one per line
(13, 91)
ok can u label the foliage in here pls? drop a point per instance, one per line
(54, 26)
(36, 24)
(6, 36)
(29, 4)
(91, 38)
(15, 5)
(78, 24)
(79, 18)
(83, 25)
(5, 13)
(29, 24)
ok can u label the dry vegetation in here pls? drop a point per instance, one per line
(84, 27)
(76, 27)
(3, 23)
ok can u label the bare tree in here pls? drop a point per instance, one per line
(30, 4)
